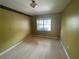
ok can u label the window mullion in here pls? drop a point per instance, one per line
(43, 24)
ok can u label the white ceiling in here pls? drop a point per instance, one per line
(43, 7)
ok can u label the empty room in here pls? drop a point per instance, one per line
(39, 29)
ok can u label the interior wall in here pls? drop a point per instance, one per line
(55, 26)
(13, 28)
(70, 29)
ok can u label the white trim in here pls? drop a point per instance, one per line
(65, 50)
(10, 48)
(46, 36)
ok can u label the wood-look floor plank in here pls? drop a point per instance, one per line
(37, 48)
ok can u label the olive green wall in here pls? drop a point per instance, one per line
(55, 26)
(70, 29)
(13, 28)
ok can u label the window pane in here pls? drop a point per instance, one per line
(47, 27)
(44, 25)
(47, 21)
(40, 27)
(39, 21)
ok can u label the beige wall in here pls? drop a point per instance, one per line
(13, 28)
(70, 29)
(55, 26)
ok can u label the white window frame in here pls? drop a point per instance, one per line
(43, 25)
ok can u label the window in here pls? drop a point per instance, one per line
(44, 25)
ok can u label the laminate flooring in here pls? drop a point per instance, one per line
(37, 48)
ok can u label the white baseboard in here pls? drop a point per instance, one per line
(10, 48)
(46, 36)
(65, 50)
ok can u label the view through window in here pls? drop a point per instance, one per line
(44, 25)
